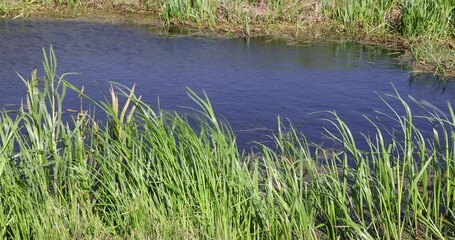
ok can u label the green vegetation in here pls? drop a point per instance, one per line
(151, 174)
(425, 27)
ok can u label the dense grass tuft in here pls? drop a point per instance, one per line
(434, 19)
(145, 173)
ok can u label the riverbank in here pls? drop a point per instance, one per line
(424, 29)
(150, 173)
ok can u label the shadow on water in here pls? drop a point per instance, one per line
(249, 82)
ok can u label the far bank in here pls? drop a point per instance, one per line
(423, 29)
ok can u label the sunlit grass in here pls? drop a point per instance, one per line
(429, 18)
(432, 19)
(147, 173)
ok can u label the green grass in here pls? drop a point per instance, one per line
(432, 19)
(427, 28)
(429, 18)
(148, 173)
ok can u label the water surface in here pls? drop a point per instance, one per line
(249, 82)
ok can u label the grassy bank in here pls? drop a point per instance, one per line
(426, 28)
(145, 173)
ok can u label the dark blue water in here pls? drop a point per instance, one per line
(249, 82)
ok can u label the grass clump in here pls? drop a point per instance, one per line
(429, 18)
(432, 19)
(147, 173)
(414, 25)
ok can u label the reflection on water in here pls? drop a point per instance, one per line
(249, 82)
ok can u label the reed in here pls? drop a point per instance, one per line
(148, 173)
(434, 19)
(429, 18)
